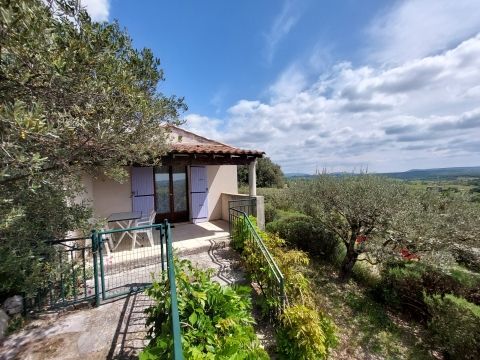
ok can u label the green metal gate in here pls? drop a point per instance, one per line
(129, 269)
(122, 272)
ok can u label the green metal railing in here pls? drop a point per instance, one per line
(68, 275)
(244, 203)
(129, 270)
(243, 231)
(177, 341)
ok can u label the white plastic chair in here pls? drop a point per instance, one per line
(143, 222)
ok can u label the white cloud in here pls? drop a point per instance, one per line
(282, 25)
(289, 83)
(218, 99)
(421, 113)
(203, 125)
(97, 9)
(414, 29)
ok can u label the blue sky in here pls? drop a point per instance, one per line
(341, 85)
(216, 52)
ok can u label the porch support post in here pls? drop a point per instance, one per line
(252, 178)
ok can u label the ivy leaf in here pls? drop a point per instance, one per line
(193, 318)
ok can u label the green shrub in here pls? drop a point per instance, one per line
(455, 326)
(271, 213)
(403, 284)
(402, 287)
(468, 257)
(239, 234)
(291, 263)
(305, 233)
(216, 321)
(304, 331)
(305, 334)
(28, 261)
(278, 198)
(366, 274)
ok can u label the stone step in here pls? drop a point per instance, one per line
(198, 246)
(221, 258)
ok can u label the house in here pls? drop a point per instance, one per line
(195, 182)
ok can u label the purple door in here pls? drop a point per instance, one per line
(142, 190)
(199, 192)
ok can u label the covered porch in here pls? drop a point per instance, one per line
(188, 184)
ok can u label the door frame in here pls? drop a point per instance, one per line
(173, 216)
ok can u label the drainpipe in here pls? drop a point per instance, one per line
(252, 178)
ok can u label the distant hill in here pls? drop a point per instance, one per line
(290, 175)
(416, 174)
(436, 174)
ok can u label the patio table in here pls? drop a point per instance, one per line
(124, 220)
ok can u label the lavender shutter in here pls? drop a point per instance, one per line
(199, 192)
(142, 190)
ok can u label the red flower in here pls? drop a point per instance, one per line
(406, 254)
(360, 239)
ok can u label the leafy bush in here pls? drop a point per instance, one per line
(366, 274)
(304, 331)
(290, 262)
(468, 257)
(28, 260)
(271, 213)
(464, 276)
(72, 278)
(455, 326)
(305, 233)
(216, 321)
(239, 234)
(305, 334)
(402, 288)
(291, 215)
(403, 285)
(279, 198)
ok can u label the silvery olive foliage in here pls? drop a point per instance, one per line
(75, 93)
(75, 97)
(378, 218)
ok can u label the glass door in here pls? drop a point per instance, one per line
(171, 196)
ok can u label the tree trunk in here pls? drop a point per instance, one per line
(348, 263)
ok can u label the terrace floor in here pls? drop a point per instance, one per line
(186, 237)
(200, 232)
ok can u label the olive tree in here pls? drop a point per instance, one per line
(354, 208)
(75, 93)
(435, 225)
(379, 218)
(75, 96)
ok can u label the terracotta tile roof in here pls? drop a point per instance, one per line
(186, 142)
(212, 149)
